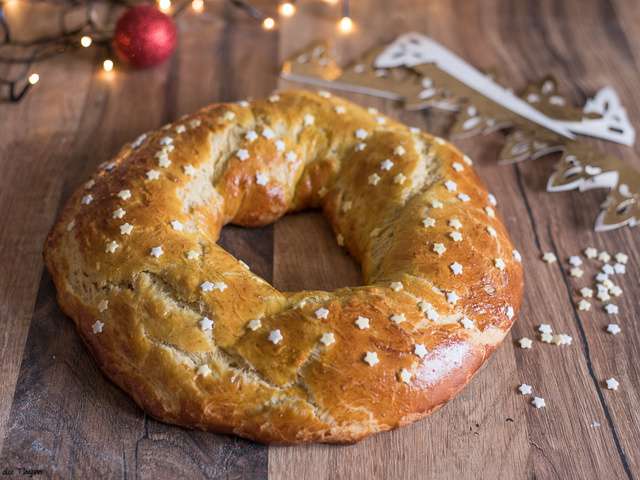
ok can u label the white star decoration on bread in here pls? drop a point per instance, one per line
(405, 375)
(362, 323)
(206, 324)
(386, 165)
(126, 229)
(327, 338)
(452, 298)
(467, 323)
(268, 133)
(361, 134)
(374, 179)
(428, 222)
(124, 194)
(371, 358)
(420, 350)
(275, 336)
(242, 154)
(153, 175)
(112, 246)
(97, 327)
(261, 179)
(455, 223)
(254, 324)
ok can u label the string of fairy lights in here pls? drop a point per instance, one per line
(20, 58)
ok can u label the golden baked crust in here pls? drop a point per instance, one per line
(137, 267)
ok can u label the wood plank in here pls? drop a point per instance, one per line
(66, 417)
(488, 428)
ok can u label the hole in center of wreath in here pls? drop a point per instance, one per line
(298, 252)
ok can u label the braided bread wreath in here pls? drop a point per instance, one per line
(198, 340)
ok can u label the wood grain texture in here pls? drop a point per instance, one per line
(58, 413)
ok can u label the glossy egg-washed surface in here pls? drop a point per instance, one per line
(137, 267)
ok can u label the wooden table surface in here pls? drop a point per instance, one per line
(60, 415)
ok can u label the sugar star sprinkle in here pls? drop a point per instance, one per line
(275, 336)
(97, 327)
(586, 292)
(584, 305)
(575, 260)
(546, 338)
(405, 375)
(525, 389)
(611, 309)
(420, 350)
(604, 256)
(613, 328)
(576, 272)
(545, 328)
(467, 323)
(254, 324)
(612, 383)
(621, 258)
(538, 402)
(327, 338)
(371, 358)
(525, 342)
(562, 339)
(456, 268)
(362, 323)
(549, 257)
(206, 324)
(590, 252)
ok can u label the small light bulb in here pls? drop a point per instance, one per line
(107, 65)
(86, 41)
(34, 78)
(345, 25)
(197, 5)
(268, 23)
(287, 9)
(164, 5)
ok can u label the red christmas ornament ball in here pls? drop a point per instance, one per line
(144, 36)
